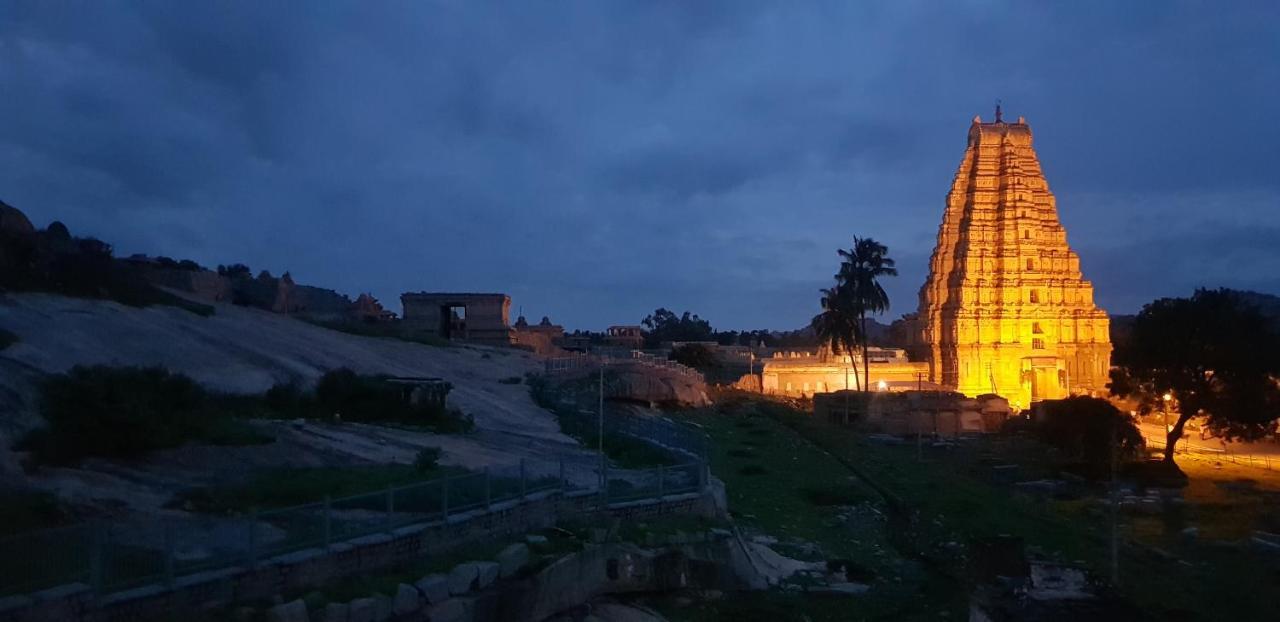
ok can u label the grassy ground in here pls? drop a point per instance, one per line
(781, 484)
(566, 399)
(953, 499)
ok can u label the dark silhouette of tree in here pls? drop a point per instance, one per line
(664, 325)
(1088, 428)
(1214, 353)
(837, 326)
(843, 321)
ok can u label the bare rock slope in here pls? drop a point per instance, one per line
(241, 350)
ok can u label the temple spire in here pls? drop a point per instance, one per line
(999, 118)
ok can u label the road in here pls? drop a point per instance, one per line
(1264, 454)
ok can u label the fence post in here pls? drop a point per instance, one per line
(522, 484)
(168, 552)
(328, 521)
(444, 494)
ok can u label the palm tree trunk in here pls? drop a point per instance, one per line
(866, 363)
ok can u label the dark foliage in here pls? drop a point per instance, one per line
(428, 459)
(664, 325)
(53, 261)
(1215, 354)
(342, 393)
(235, 271)
(123, 412)
(1086, 428)
(7, 338)
(694, 355)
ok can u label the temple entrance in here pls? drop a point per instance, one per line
(453, 321)
(1046, 382)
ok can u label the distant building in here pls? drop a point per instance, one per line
(799, 373)
(481, 318)
(543, 337)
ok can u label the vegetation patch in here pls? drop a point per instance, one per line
(511, 380)
(752, 469)
(123, 412)
(354, 397)
(626, 451)
(7, 338)
(742, 453)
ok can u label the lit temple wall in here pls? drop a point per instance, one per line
(1005, 308)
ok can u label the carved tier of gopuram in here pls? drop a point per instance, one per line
(1005, 309)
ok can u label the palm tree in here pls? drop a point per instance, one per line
(843, 322)
(837, 325)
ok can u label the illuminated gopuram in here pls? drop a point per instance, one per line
(1005, 308)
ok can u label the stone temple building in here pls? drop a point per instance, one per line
(1005, 309)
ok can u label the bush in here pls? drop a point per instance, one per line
(1086, 427)
(694, 355)
(123, 412)
(428, 459)
(362, 398)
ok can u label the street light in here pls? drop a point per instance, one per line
(1167, 397)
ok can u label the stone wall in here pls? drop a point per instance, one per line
(307, 569)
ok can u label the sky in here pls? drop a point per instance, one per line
(597, 160)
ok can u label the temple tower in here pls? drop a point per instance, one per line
(1005, 308)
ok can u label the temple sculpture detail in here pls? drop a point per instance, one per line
(1005, 308)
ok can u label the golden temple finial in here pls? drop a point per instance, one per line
(999, 119)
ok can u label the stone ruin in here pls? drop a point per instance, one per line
(479, 318)
(933, 413)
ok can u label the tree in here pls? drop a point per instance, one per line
(843, 321)
(664, 325)
(694, 355)
(837, 326)
(1216, 356)
(1089, 428)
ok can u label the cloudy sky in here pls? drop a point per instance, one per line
(596, 160)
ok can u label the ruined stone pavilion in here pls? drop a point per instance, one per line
(1005, 308)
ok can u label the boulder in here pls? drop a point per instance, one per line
(407, 600)
(462, 577)
(512, 559)
(486, 574)
(333, 612)
(292, 611)
(434, 587)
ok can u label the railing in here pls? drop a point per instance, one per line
(1222, 455)
(119, 554)
(607, 356)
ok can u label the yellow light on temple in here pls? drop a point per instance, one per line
(882, 386)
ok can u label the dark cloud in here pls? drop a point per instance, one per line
(597, 160)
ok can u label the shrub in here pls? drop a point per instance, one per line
(428, 459)
(694, 355)
(511, 380)
(1086, 428)
(362, 398)
(123, 412)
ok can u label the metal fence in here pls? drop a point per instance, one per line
(607, 356)
(119, 554)
(1263, 461)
